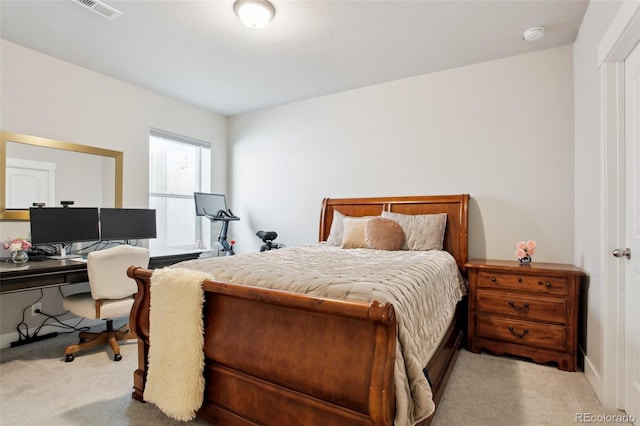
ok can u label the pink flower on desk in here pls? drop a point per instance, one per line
(525, 248)
(17, 244)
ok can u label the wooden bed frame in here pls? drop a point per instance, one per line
(275, 357)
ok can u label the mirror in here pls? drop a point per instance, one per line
(39, 170)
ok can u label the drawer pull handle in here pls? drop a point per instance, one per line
(518, 308)
(493, 279)
(520, 335)
(548, 284)
(519, 280)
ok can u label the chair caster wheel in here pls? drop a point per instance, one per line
(117, 357)
(69, 358)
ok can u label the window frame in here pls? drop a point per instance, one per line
(201, 185)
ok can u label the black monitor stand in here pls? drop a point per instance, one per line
(224, 216)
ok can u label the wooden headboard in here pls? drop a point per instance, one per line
(456, 240)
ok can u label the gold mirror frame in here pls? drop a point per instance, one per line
(50, 143)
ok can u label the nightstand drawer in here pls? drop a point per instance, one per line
(545, 336)
(527, 307)
(537, 283)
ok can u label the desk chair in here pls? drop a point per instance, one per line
(111, 296)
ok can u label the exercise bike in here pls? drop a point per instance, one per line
(224, 216)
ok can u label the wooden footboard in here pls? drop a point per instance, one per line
(274, 357)
(281, 358)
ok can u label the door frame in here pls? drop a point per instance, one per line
(619, 40)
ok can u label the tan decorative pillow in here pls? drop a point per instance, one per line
(383, 234)
(422, 232)
(337, 227)
(353, 232)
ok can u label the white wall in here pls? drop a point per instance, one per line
(43, 96)
(501, 131)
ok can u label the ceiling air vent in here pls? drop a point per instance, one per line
(100, 8)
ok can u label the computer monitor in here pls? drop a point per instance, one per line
(127, 224)
(63, 225)
(209, 204)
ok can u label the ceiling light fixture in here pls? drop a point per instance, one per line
(254, 13)
(533, 34)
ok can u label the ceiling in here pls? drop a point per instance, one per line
(200, 53)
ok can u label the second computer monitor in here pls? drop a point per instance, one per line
(127, 224)
(209, 204)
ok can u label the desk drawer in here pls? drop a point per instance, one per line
(76, 277)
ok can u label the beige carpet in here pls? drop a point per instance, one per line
(491, 390)
(37, 387)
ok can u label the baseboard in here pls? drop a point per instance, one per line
(593, 377)
(7, 339)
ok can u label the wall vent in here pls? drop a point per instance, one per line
(100, 8)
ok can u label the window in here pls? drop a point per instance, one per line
(178, 167)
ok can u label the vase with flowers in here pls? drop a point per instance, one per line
(524, 251)
(18, 248)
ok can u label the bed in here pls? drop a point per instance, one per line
(281, 357)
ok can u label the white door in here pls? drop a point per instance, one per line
(30, 182)
(632, 231)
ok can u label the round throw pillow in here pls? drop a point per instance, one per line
(383, 234)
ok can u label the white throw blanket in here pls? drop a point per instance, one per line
(176, 334)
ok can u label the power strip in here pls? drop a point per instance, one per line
(32, 339)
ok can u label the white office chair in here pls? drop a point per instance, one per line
(111, 296)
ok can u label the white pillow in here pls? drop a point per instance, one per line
(337, 228)
(423, 231)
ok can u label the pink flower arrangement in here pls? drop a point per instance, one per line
(525, 248)
(17, 244)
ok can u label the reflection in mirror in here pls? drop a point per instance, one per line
(38, 170)
(48, 175)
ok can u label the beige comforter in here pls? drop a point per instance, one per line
(423, 286)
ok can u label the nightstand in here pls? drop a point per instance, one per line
(524, 310)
